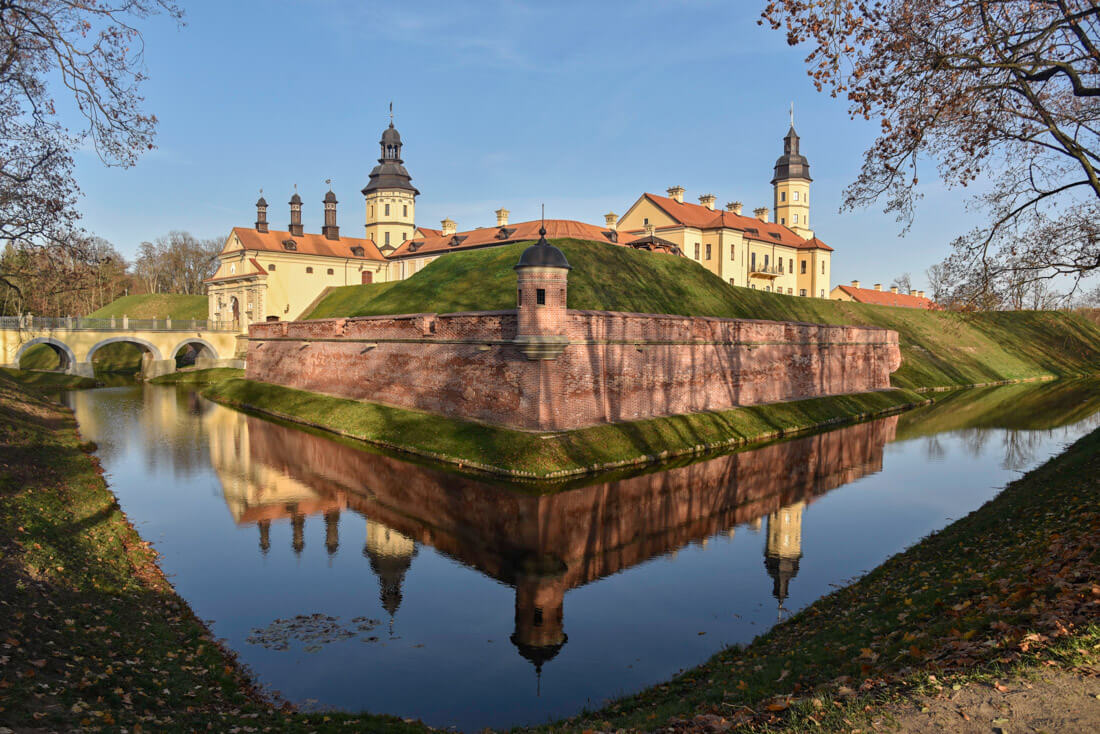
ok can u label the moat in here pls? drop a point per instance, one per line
(353, 580)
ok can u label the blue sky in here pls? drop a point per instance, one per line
(580, 105)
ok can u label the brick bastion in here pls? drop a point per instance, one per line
(543, 366)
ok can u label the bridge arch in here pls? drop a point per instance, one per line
(64, 354)
(203, 348)
(148, 346)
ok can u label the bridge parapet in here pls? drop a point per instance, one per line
(124, 323)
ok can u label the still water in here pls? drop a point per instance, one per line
(349, 579)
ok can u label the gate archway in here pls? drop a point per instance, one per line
(65, 357)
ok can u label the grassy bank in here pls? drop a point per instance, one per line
(938, 348)
(516, 453)
(94, 637)
(198, 377)
(46, 381)
(1008, 588)
(155, 306)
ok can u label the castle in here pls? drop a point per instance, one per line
(267, 275)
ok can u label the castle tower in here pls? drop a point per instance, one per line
(390, 555)
(784, 548)
(791, 184)
(330, 230)
(332, 531)
(390, 196)
(542, 276)
(295, 227)
(261, 214)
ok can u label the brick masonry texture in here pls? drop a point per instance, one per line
(616, 367)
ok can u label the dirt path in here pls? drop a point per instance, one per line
(1053, 701)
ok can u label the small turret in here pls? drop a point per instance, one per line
(330, 230)
(261, 214)
(542, 276)
(296, 215)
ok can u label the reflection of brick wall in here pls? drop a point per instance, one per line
(617, 366)
(593, 530)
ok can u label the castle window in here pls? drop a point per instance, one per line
(540, 296)
(796, 219)
(387, 233)
(753, 286)
(290, 245)
(708, 251)
(792, 264)
(796, 196)
(696, 250)
(752, 261)
(387, 210)
(823, 267)
(783, 220)
(765, 262)
(733, 253)
(271, 267)
(782, 195)
(803, 267)
(330, 272)
(403, 236)
(645, 222)
(519, 297)
(405, 210)
(790, 291)
(780, 265)
(309, 270)
(822, 292)
(802, 292)
(731, 281)
(372, 210)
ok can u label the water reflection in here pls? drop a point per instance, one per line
(660, 568)
(542, 546)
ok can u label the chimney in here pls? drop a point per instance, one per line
(330, 230)
(261, 214)
(761, 213)
(676, 193)
(612, 220)
(708, 200)
(893, 289)
(502, 217)
(449, 227)
(920, 294)
(878, 286)
(855, 284)
(296, 215)
(734, 207)
(649, 230)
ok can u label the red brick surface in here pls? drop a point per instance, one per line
(617, 366)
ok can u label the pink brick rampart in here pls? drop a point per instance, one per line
(616, 367)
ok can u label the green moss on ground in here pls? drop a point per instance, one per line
(198, 377)
(343, 299)
(95, 638)
(1007, 589)
(938, 348)
(47, 381)
(155, 306)
(504, 451)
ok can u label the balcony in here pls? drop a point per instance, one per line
(757, 271)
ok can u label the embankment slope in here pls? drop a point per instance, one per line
(939, 349)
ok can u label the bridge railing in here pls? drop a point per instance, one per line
(28, 322)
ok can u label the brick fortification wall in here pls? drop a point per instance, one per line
(615, 367)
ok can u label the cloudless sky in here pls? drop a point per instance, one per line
(581, 105)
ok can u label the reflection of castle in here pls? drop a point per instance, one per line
(542, 546)
(784, 548)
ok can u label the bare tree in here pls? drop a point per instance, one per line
(177, 263)
(1002, 89)
(903, 282)
(90, 53)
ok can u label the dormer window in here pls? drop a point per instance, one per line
(504, 233)
(457, 240)
(358, 251)
(290, 245)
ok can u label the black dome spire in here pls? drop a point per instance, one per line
(543, 255)
(791, 164)
(390, 173)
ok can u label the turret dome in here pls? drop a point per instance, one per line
(543, 255)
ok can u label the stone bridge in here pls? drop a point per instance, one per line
(76, 340)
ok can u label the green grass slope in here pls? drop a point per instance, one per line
(938, 348)
(155, 306)
(339, 301)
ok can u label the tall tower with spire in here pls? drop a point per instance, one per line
(791, 185)
(390, 554)
(390, 196)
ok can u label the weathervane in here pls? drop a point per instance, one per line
(391, 113)
(792, 114)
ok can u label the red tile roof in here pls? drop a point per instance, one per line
(700, 217)
(257, 269)
(437, 242)
(886, 298)
(308, 244)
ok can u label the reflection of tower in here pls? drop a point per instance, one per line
(390, 555)
(297, 527)
(332, 531)
(265, 536)
(540, 601)
(784, 548)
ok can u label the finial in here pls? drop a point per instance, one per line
(792, 114)
(391, 113)
(328, 182)
(261, 191)
(542, 228)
